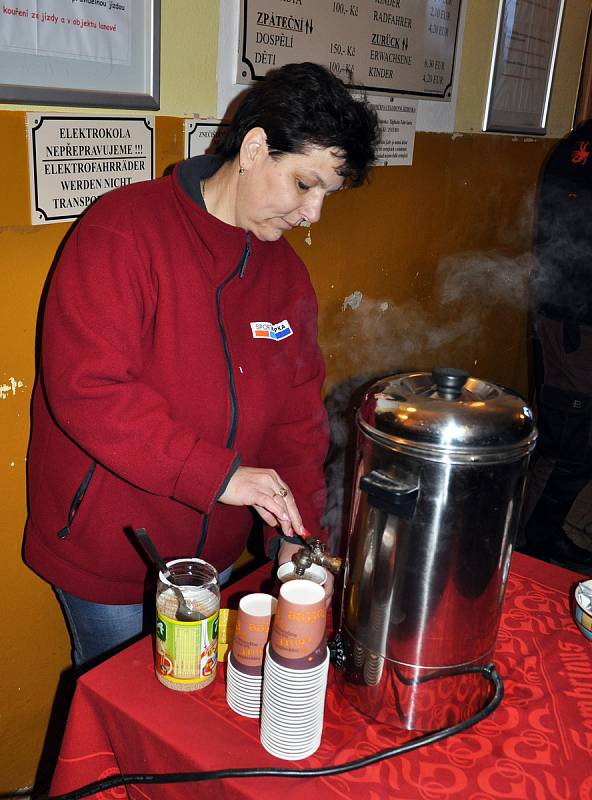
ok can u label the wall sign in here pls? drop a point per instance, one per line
(522, 65)
(397, 126)
(102, 53)
(397, 119)
(74, 160)
(202, 135)
(404, 47)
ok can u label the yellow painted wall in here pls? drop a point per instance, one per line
(440, 254)
(425, 265)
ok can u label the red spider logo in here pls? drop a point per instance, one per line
(580, 156)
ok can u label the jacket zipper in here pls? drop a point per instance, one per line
(78, 498)
(240, 271)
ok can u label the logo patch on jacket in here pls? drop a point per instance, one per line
(266, 330)
(581, 153)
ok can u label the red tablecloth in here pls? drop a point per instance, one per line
(535, 746)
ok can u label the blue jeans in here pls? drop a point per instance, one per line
(98, 630)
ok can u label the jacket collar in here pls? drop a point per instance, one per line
(225, 243)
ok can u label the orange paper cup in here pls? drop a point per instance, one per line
(252, 631)
(298, 637)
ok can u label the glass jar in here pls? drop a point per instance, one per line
(186, 652)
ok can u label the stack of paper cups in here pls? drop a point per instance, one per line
(295, 673)
(245, 660)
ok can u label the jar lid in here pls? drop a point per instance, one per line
(446, 411)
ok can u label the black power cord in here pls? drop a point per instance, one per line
(488, 671)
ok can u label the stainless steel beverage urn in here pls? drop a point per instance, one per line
(440, 469)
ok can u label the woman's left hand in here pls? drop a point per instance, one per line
(285, 554)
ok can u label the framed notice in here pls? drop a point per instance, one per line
(74, 160)
(522, 66)
(104, 53)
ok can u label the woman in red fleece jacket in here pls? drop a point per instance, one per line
(180, 378)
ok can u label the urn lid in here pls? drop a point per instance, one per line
(447, 413)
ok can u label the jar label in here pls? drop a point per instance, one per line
(186, 652)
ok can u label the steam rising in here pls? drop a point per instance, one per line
(377, 335)
(491, 279)
(372, 337)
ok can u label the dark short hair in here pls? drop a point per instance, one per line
(303, 105)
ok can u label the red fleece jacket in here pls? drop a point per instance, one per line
(150, 371)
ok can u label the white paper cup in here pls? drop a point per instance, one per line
(292, 712)
(292, 737)
(287, 572)
(293, 729)
(241, 710)
(279, 695)
(289, 675)
(287, 753)
(243, 691)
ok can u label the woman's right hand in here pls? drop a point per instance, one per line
(263, 489)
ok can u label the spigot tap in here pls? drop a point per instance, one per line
(314, 553)
(302, 560)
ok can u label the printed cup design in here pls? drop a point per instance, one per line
(298, 637)
(251, 632)
(287, 572)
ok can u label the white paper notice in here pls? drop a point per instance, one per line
(74, 160)
(524, 65)
(93, 30)
(397, 117)
(202, 136)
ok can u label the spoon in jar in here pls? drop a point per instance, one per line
(183, 613)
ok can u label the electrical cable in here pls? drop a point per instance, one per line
(488, 671)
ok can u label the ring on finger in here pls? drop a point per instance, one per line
(282, 491)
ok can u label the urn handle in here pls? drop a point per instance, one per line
(388, 495)
(449, 381)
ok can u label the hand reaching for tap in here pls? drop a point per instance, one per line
(268, 494)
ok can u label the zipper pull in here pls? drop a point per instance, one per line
(245, 256)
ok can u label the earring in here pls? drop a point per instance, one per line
(241, 170)
(304, 223)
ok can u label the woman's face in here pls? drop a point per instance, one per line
(276, 193)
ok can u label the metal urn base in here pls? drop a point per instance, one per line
(410, 697)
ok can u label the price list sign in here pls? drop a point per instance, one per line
(395, 46)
